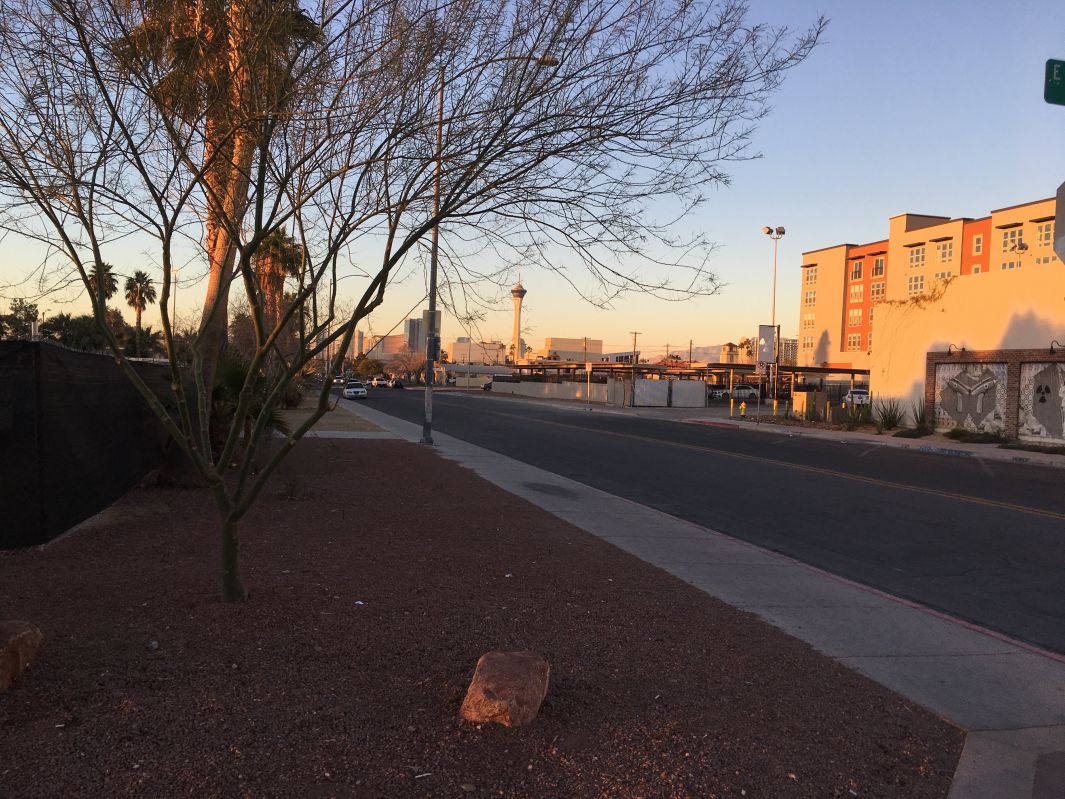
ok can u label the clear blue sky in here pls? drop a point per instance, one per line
(931, 107)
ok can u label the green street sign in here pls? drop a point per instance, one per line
(1054, 89)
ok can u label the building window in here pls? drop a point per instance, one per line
(854, 342)
(1044, 234)
(869, 339)
(878, 267)
(811, 275)
(1012, 238)
(976, 269)
(944, 251)
(978, 244)
(876, 290)
(1011, 264)
(857, 291)
(870, 316)
(854, 317)
(809, 298)
(916, 257)
(807, 321)
(856, 270)
(944, 275)
(916, 284)
(807, 342)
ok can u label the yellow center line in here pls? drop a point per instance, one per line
(857, 478)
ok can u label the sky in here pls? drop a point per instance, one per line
(925, 107)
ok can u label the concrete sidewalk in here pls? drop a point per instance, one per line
(1009, 697)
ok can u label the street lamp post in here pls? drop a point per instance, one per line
(432, 347)
(775, 234)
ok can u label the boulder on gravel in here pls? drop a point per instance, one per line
(18, 644)
(507, 688)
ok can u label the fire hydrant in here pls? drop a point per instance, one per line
(743, 409)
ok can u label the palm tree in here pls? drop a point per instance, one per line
(228, 63)
(278, 256)
(102, 276)
(140, 293)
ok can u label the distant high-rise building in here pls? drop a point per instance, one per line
(789, 351)
(414, 335)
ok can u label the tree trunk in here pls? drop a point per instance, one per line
(138, 309)
(232, 587)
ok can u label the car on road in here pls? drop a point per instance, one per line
(379, 382)
(744, 392)
(856, 396)
(354, 389)
(395, 382)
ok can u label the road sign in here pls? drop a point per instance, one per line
(1059, 223)
(1054, 88)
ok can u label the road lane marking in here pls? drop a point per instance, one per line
(935, 492)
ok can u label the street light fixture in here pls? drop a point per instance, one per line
(775, 234)
(432, 335)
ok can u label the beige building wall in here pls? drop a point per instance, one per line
(463, 350)
(1005, 309)
(573, 349)
(821, 294)
(1030, 225)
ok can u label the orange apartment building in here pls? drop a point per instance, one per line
(843, 285)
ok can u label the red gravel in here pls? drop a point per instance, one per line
(378, 574)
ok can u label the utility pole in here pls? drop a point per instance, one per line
(586, 349)
(689, 352)
(635, 333)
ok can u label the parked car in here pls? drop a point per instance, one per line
(354, 390)
(856, 396)
(379, 382)
(744, 392)
(395, 382)
(718, 392)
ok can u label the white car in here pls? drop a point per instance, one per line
(354, 390)
(744, 392)
(856, 396)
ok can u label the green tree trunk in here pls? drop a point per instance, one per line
(232, 587)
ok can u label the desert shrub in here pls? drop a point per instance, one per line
(919, 414)
(888, 413)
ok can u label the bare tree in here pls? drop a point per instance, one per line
(519, 130)
(410, 363)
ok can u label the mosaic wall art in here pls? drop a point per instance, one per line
(1042, 403)
(971, 396)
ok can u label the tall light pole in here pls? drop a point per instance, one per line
(775, 234)
(432, 335)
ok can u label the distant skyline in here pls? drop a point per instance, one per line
(931, 108)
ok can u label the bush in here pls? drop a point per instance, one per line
(857, 415)
(888, 414)
(919, 412)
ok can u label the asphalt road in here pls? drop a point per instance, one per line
(981, 541)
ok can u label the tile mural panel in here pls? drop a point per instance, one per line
(971, 396)
(1042, 403)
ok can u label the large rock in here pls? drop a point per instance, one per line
(507, 688)
(18, 643)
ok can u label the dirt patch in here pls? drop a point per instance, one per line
(379, 573)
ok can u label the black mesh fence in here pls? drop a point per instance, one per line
(74, 436)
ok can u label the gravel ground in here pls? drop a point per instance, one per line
(378, 574)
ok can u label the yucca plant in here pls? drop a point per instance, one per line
(919, 413)
(888, 413)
